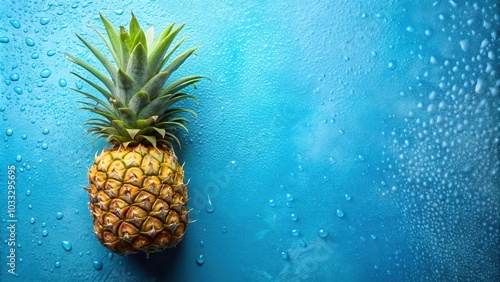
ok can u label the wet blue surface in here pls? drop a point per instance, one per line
(337, 141)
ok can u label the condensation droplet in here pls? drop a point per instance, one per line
(284, 255)
(14, 77)
(29, 41)
(45, 73)
(340, 213)
(97, 264)
(63, 82)
(391, 65)
(272, 203)
(15, 23)
(66, 245)
(44, 20)
(18, 90)
(200, 260)
(322, 233)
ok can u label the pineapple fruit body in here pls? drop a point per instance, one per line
(138, 199)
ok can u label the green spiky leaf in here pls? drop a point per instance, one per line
(151, 139)
(161, 36)
(105, 80)
(114, 39)
(125, 45)
(134, 26)
(100, 56)
(125, 87)
(128, 116)
(139, 101)
(180, 84)
(132, 132)
(137, 64)
(155, 59)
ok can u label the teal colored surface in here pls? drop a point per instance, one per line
(337, 141)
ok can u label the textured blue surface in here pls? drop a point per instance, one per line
(338, 141)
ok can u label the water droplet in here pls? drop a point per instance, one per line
(45, 73)
(19, 158)
(340, 213)
(14, 77)
(373, 237)
(32, 220)
(15, 23)
(45, 146)
(294, 217)
(97, 264)
(39, 243)
(464, 44)
(410, 29)
(9, 132)
(272, 203)
(284, 255)
(428, 32)
(57, 264)
(44, 20)
(45, 131)
(295, 232)
(30, 42)
(79, 85)
(110, 256)
(200, 260)
(361, 158)
(4, 39)
(224, 229)
(62, 82)
(59, 215)
(51, 53)
(35, 55)
(391, 65)
(28, 192)
(481, 86)
(289, 197)
(18, 90)
(348, 197)
(66, 245)
(45, 233)
(210, 208)
(322, 233)
(119, 12)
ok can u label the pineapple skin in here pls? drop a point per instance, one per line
(138, 199)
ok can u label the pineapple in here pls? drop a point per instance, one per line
(137, 192)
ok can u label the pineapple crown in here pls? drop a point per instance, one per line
(138, 104)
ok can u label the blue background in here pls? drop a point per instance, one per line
(384, 111)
